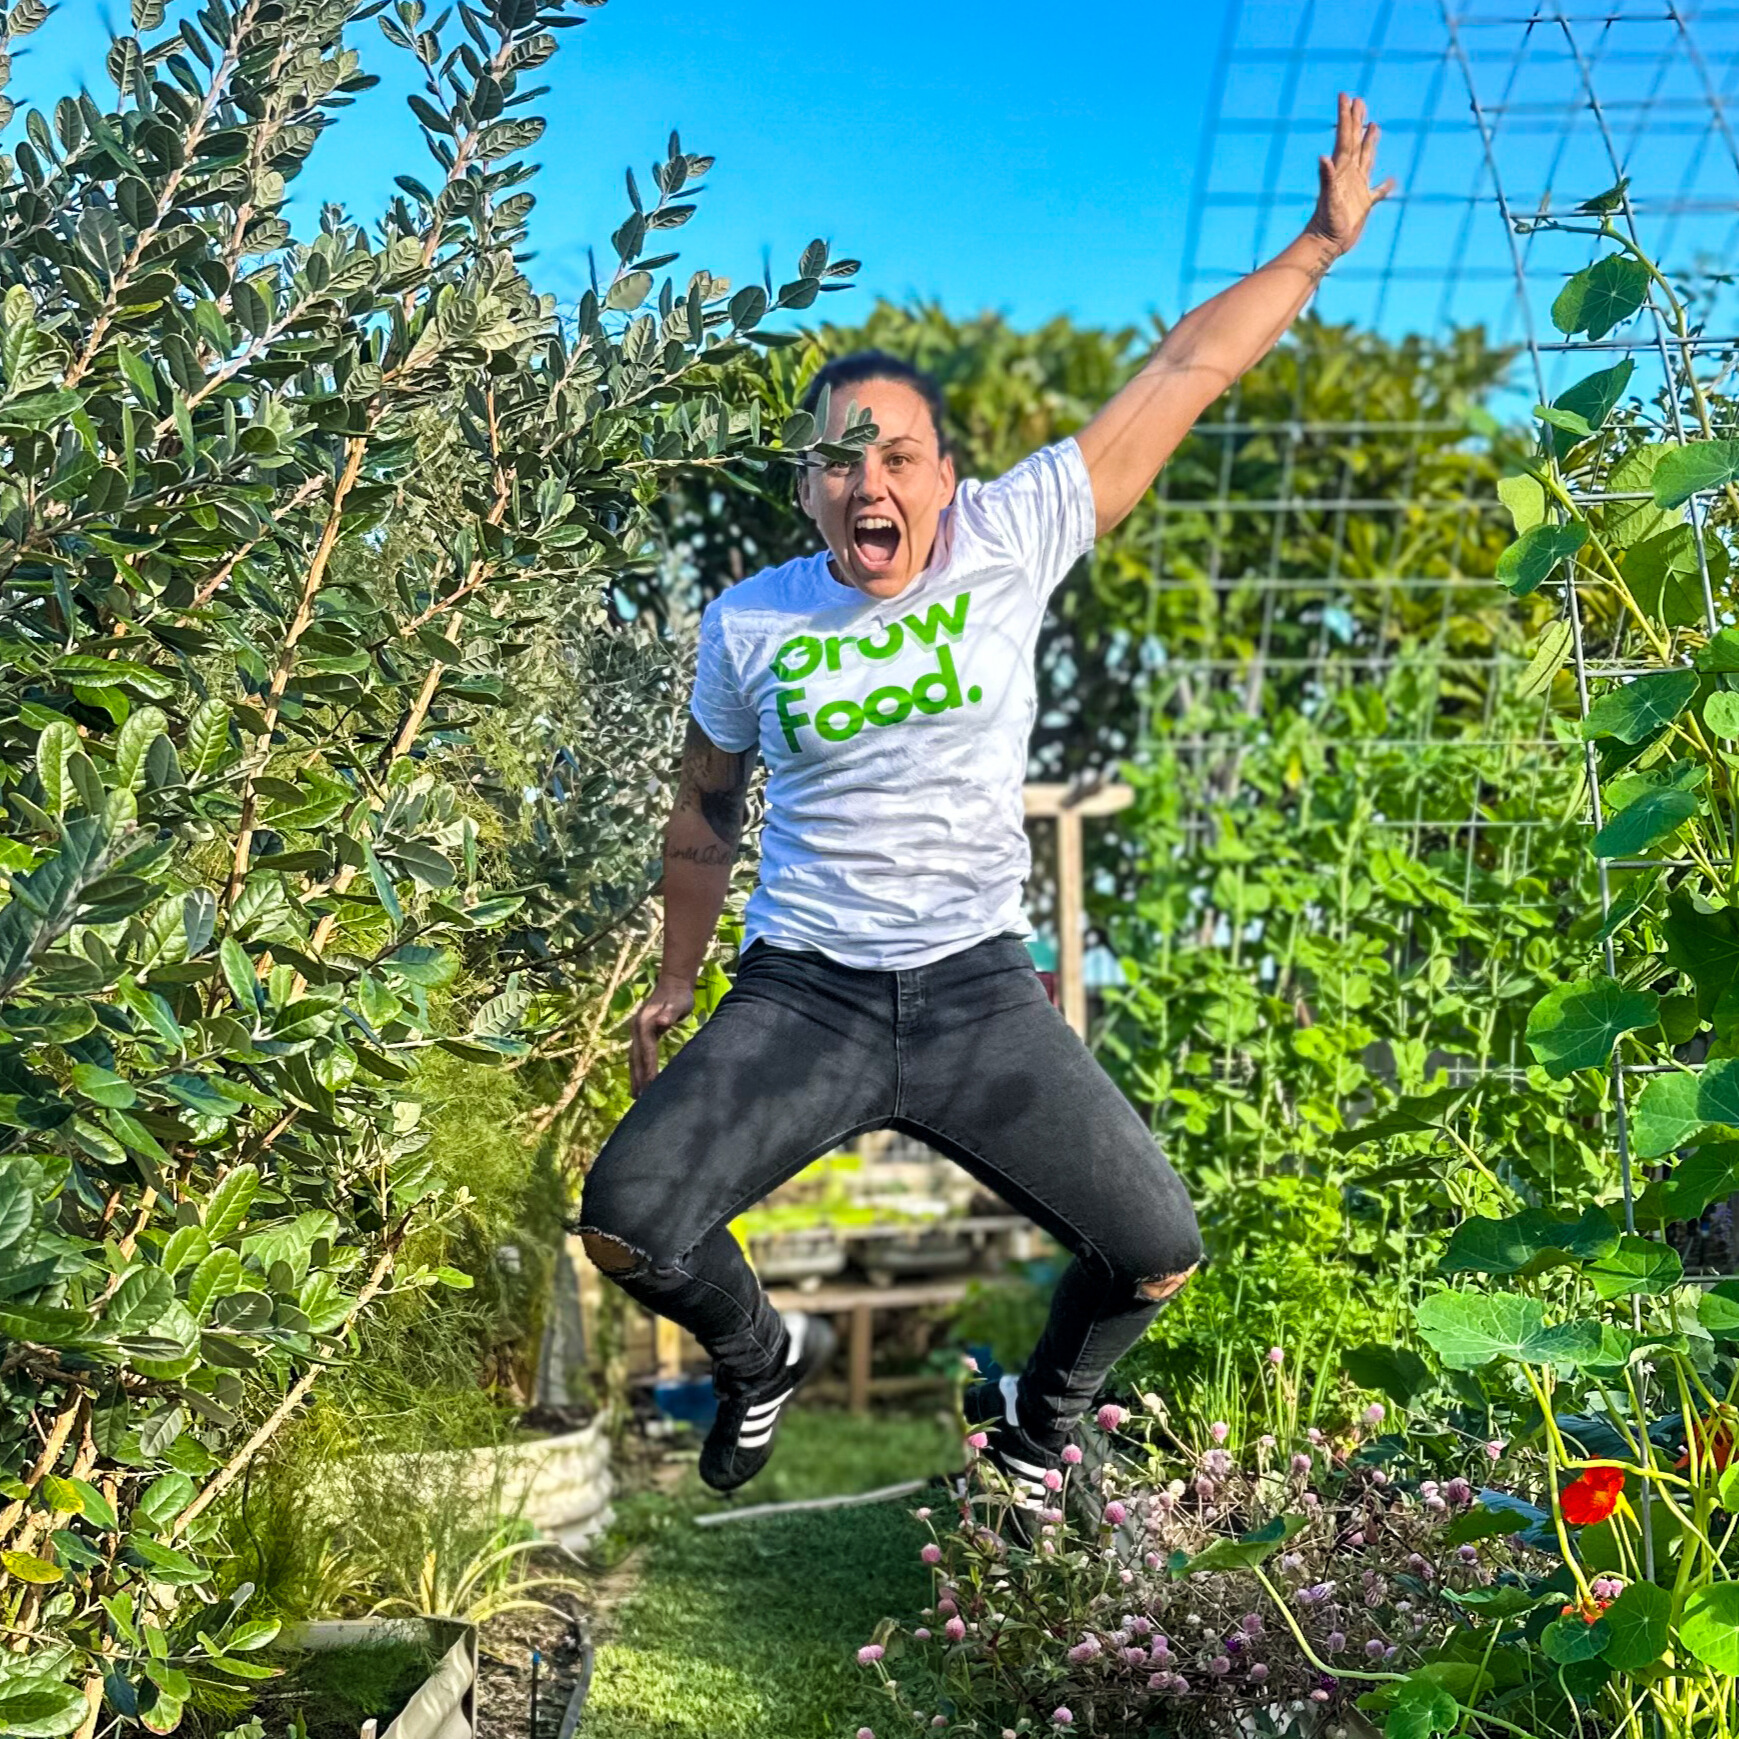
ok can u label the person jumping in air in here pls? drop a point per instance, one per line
(887, 681)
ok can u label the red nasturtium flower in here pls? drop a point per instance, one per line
(1714, 1441)
(1593, 1494)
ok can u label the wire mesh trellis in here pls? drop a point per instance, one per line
(1342, 540)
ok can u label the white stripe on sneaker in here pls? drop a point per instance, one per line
(769, 1407)
(798, 1324)
(756, 1441)
(1010, 1387)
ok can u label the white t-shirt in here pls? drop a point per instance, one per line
(895, 729)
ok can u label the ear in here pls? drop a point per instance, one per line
(948, 478)
(803, 475)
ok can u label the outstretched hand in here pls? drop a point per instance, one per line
(1347, 196)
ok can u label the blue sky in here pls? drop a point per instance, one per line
(993, 157)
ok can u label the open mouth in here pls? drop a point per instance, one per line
(876, 539)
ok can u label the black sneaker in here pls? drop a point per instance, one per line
(741, 1439)
(992, 1406)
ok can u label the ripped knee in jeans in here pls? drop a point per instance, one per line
(611, 1254)
(1163, 1286)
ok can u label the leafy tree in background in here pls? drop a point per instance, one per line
(279, 522)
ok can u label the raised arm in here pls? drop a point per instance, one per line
(700, 845)
(1139, 429)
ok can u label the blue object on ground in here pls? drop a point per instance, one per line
(689, 1398)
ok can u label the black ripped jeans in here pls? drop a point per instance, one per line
(968, 1055)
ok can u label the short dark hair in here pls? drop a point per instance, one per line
(862, 365)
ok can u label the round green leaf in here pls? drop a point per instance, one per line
(1471, 1329)
(1570, 1639)
(1695, 467)
(1665, 1115)
(1576, 1025)
(1638, 1265)
(1601, 296)
(1529, 561)
(1636, 710)
(1710, 1627)
(1640, 1620)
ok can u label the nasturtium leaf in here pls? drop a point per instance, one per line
(1397, 1372)
(1495, 1515)
(1547, 661)
(1665, 1115)
(1525, 498)
(1710, 1626)
(1665, 575)
(1638, 1265)
(1721, 713)
(1471, 1329)
(1601, 296)
(1661, 809)
(1421, 1708)
(1623, 523)
(1718, 1311)
(1517, 1244)
(1720, 652)
(1249, 1549)
(1531, 558)
(1718, 1092)
(1727, 1488)
(1693, 468)
(1572, 1638)
(1576, 1025)
(1636, 710)
(1591, 399)
(1696, 1180)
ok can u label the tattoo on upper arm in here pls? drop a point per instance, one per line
(714, 784)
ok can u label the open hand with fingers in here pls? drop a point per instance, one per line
(1347, 197)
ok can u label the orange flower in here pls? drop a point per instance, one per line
(1714, 1437)
(1593, 1495)
(1587, 1610)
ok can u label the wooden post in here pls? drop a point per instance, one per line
(862, 1332)
(667, 1340)
(1066, 805)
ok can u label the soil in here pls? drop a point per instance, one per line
(504, 1667)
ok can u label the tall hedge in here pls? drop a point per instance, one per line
(275, 518)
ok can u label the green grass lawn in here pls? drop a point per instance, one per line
(750, 1630)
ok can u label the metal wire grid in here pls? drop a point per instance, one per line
(1492, 112)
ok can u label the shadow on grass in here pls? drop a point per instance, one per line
(751, 1629)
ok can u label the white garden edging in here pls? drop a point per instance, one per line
(444, 1706)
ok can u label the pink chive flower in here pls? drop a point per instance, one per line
(1314, 1435)
(922, 1633)
(869, 1654)
(946, 1604)
(1072, 1453)
(1125, 1577)
(1258, 1672)
(1494, 1449)
(1251, 1623)
(1219, 1666)
(938, 1720)
(1267, 1440)
(1458, 1491)
(1110, 1416)
(1301, 1462)
(970, 1362)
(1115, 1512)
(1276, 1355)
(1219, 1431)
(1062, 1715)
(1375, 1413)
(866, 1733)
(931, 1554)
(923, 1512)
(1336, 1641)
(1151, 1560)
(1374, 1648)
(1053, 1481)
(978, 1439)
(1319, 1696)
(955, 1629)
(1085, 1651)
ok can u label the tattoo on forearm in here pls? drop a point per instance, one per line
(714, 785)
(701, 854)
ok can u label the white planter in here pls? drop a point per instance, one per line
(444, 1706)
(561, 1485)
